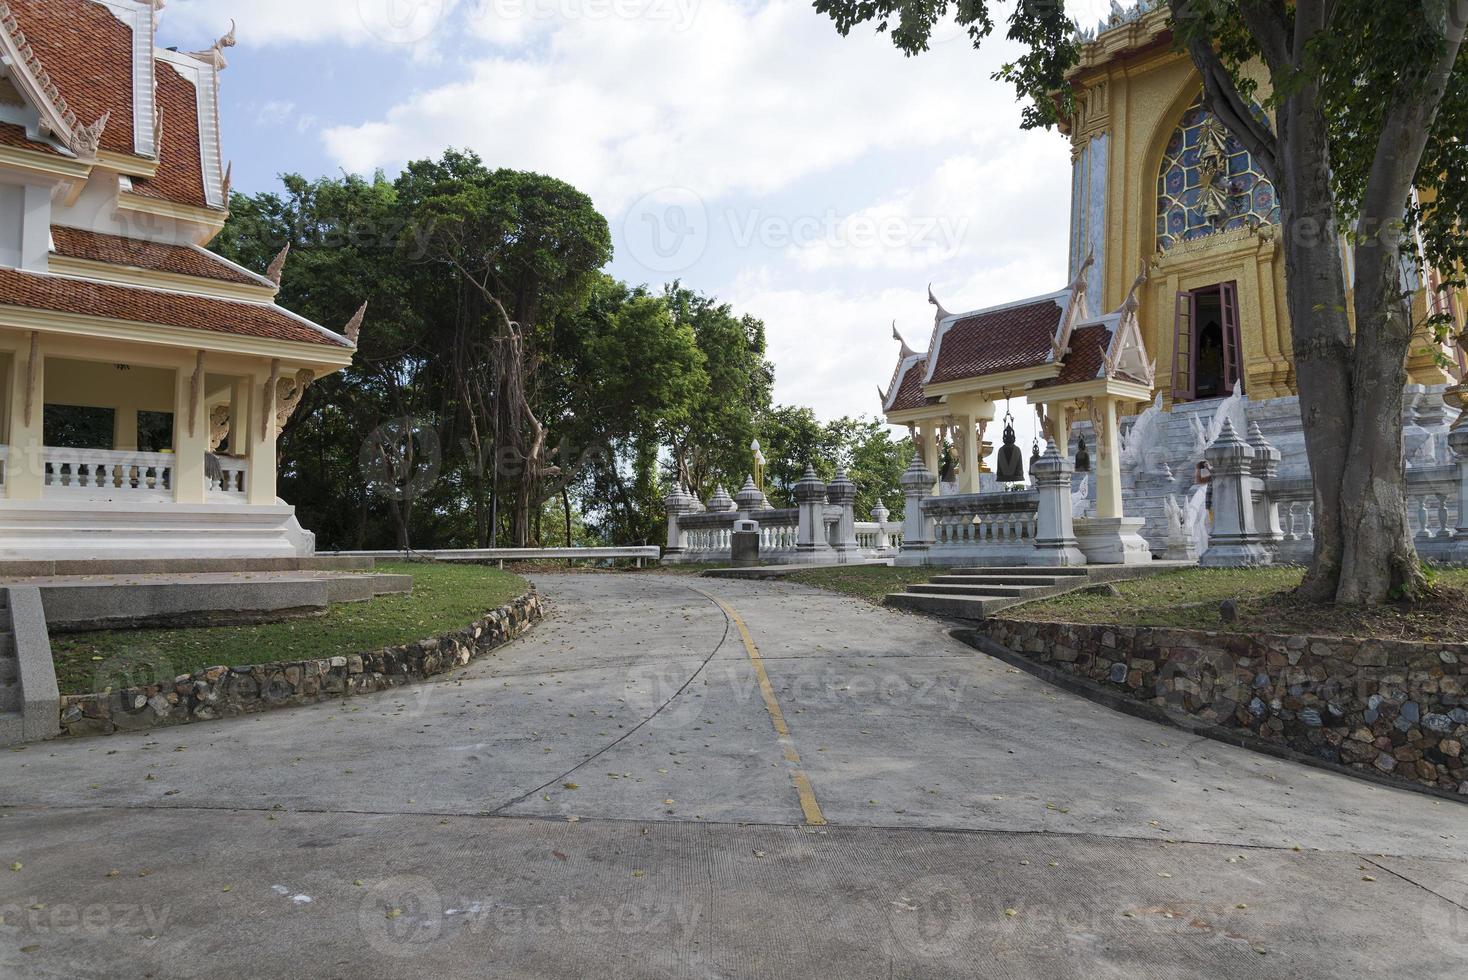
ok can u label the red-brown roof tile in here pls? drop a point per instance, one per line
(89, 55)
(910, 388)
(180, 259)
(180, 176)
(13, 135)
(62, 295)
(990, 342)
(1087, 354)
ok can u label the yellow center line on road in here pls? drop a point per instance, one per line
(808, 804)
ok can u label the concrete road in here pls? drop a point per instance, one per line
(693, 778)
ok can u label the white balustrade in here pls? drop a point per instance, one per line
(234, 479)
(986, 528)
(106, 474)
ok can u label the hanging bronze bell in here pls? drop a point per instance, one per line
(1010, 467)
(1083, 457)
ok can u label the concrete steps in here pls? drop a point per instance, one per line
(979, 593)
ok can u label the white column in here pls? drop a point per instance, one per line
(917, 529)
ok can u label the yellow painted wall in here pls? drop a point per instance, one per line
(1139, 98)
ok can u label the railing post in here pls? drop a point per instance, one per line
(917, 528)
(1458, 442)
(810, 497)
(1055, 539)
(879, 517)
(842, 493)
(1263, 467)
(1234, 542)
(677, 503)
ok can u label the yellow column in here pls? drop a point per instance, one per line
(260, 439)
(1057, 417)
(969, 480)
(1108, 463)
(25, 469)
(189, 447)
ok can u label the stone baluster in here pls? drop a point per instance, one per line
(1055, 540)
(1233, 542)
(879, 517)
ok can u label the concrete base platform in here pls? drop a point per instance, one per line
(36, 568)
(81, 603)
(780, 571)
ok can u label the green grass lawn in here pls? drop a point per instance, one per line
(1190, 599)
(445, 598)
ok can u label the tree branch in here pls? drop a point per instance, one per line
(1224, 100)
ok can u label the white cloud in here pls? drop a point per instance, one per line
(262, 22)
(736, 98)
(971, 209)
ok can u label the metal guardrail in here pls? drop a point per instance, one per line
(501, 555)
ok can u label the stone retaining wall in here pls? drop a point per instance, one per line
(1396, 708)
(224, 692)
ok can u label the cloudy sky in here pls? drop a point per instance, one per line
(815, 181)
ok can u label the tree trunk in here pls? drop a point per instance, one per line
(1319, 328)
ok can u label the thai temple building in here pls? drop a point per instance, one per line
(1175, 320)
(143, 379)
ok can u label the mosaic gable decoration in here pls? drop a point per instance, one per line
(1208, 183)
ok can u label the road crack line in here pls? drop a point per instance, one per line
(628, 734)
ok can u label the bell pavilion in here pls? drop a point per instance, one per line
(145, 380)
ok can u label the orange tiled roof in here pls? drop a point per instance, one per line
(63, 295)
(89, 55)
(180, 259)
(13, 135)
(989, 342)
(910, 388)
(180, 175)
(1087, 354)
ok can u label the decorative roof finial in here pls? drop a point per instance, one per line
(215, 55)
(906, 350)
(277, 265)
(353, 329)
(941, 313)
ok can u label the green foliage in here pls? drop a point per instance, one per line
(631, 388)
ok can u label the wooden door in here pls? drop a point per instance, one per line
(1183, 375)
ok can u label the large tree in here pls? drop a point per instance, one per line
(1370, 100)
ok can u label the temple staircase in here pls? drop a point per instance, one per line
(978, 593)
